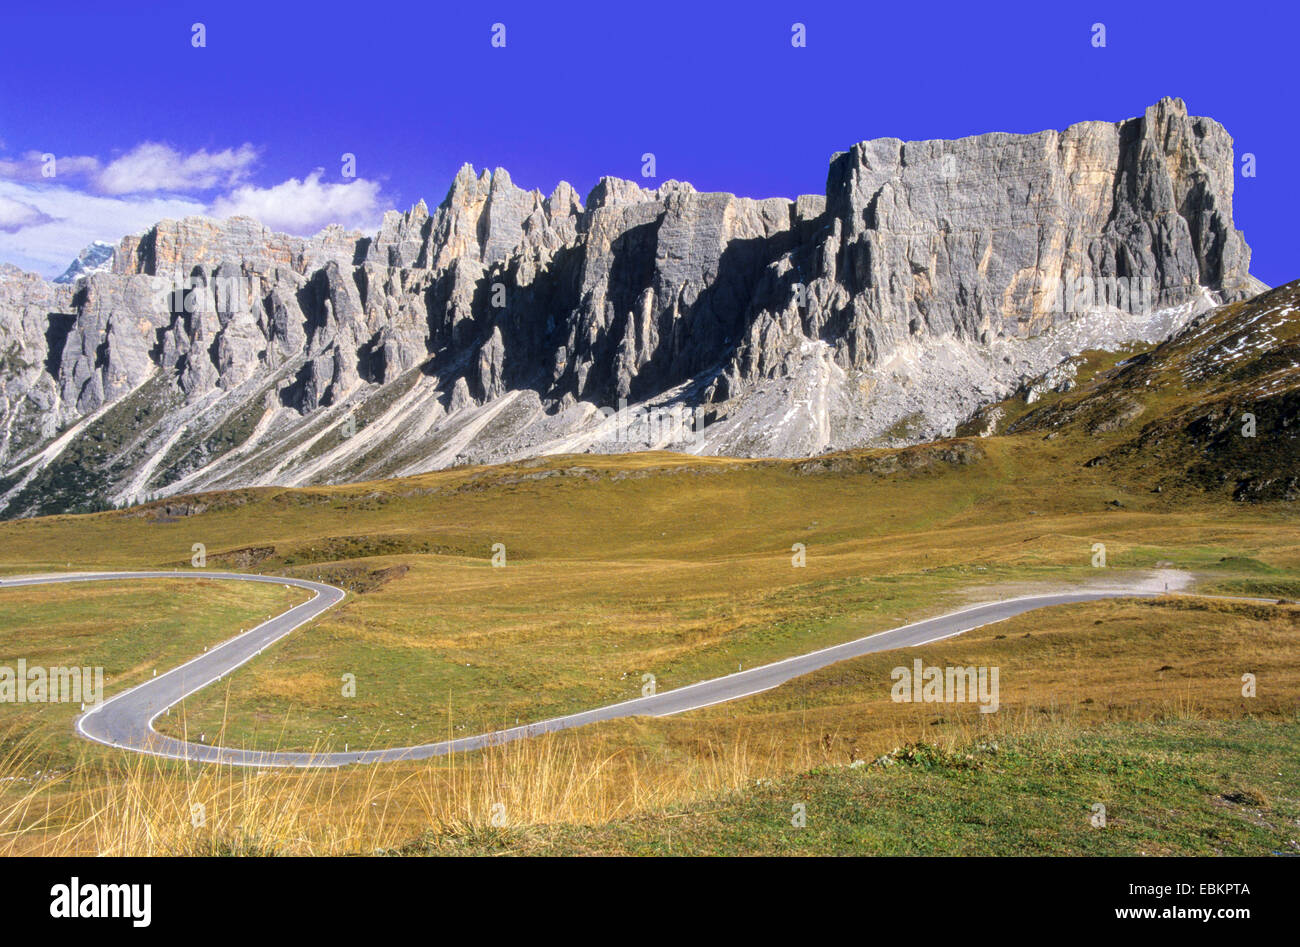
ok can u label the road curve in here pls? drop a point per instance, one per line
(126, 719)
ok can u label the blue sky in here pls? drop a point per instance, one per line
(143, 125)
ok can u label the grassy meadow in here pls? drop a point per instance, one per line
(617, 567)
(681, 567)
(130, 629)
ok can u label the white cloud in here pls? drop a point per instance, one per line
(45, 222)
(16, 214)
(152, 166)
(304, 207)
(77, 219)
(147, 168)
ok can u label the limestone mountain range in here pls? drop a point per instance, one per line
(932, 278)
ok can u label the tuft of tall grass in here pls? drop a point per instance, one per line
(144, 805)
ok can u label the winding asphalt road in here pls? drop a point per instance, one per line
(126, 719)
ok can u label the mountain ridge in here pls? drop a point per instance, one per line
(96, 257)
(932, 278)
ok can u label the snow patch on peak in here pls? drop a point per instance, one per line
(96, 258)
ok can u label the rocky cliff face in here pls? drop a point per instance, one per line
(933, 277)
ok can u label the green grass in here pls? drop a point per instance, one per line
(130, 629)
(1180, 788)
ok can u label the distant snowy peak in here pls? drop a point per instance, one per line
(96, 258)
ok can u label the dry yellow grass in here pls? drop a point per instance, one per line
(1078, 666)
(146, 806)
(1056, 679)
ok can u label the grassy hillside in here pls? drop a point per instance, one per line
(1183, 788)
(1217, 407)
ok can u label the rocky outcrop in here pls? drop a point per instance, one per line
(931, 278)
